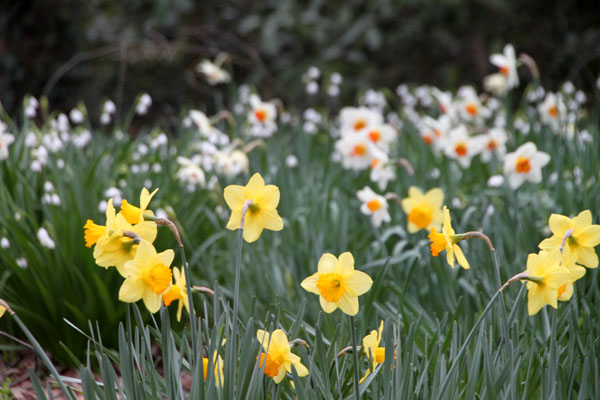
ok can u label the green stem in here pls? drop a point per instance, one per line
(44, 357)
(503, 305)
(236, 305)
(355, 352)
(188, 284)
(466, 343)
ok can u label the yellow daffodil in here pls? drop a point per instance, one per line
(545, 276)
(424, 210)
(148, 276)
(446, 240)
(261, 214)
(94, 232)
(218, 368)
(565, 292)
(579, 246)
(178, 291)
(133, 214)
(338, 284)
(2, 311)
(278, 357)
(375, 354)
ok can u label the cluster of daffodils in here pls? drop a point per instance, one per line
(125, 243)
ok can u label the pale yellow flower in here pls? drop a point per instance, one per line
(447, 240)
(545, 276)
(178, 291)
(424, 210)
(371, 348)
(133, 214)
(279, 357)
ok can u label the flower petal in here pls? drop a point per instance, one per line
(254, 187)
(327, 263)
(535, 300)
(327, 306)
(310, 284)
(234, 220)
(166, 257)
(271, 220)
(346, 264)
(589, 236)
(348, 304)
(269, 197)
(131, 290)
(435, 197)
(234, 196)
(359, 283)
(252, 228)
(152, 300)
(559, 224)
(587, 256)
(460, 257)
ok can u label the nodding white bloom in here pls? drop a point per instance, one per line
(496, 84)
(45, 239)
(262, 117)
(374, 205)
(525, 164)
(21, 262)
(105, 119)
(461, 147)
(159, 141)
(434, 131)
(6, 139)
(552, 111)
(82, 139)
(381, 135)
(354, 120)
(31, 107)
(469, 105)
(143, 104)
(291, 161)
(213, 72)
(382, 171)
(109, 107)
(374, 99)
(4, 243)
(190, 173)
(494, 142)
(31, 139)
(445, 101)
(357, 152)
(51, 198)
(507, 64)
(495, 181)
(76, 116)
(312, 87)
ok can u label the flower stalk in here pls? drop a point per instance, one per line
(355, 352)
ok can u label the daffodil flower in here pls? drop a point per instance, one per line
(565, 292)
(579, 246)
(2, 311)
(94, 232)
(545, 276)
(218, 368)
(278, 357)
(423, 210)
(338, 284)
(133, 214)
(371, 348)
(261, 214)
(178, 292)
(447, 240)
(148, 276)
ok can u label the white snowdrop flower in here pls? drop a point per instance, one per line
(285, 117)
(156, 168)
(373, 205)
(109, 107)
(495, 181)
(122, 183)
(45, 239)
(572, 105)
(507, 64)
(402, 90)
(493, 103)
(553, 178)
(62, 123)
(148, 184)
(434, 173)
(312, 88)
(336, 79)
(105, 119)
(221, 211)
(55, 199)
(525, 164)
(161, 213)
(112, 192)
(144, 167)
(585, 137)
(81, 140)
(213, 72)
(76, 116)
(532, 96)
(60, 163)
(18, 216)
(580, 97)
(159, 141)
(21, 262)
(135, 169)
(4, 243)
(239, 108)
(577, 174)
(32, 106)
(143, 105)
(102, 206)
(119, 135)
(374, 99)
(333, 91)
(313, 73)
(568, 87)
(456, 203)
(291, 161)
(48, 186)
(244, 93)
(6, 139)
(187, 122)
(47, 198)
(52, 142)
(540, 92)
(490, 209)
(31, 140)
(35, 166)
(40, 154)
(310, 114)
(136, 156)
(310, 127)
(142, 148)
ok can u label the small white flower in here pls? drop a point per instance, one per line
(495, 181)
(496, 84)
(312, 88)
(148, 184)
(382, 171)
(552, 111)
(21, 262)
(105, 119)
(48, 186)
(159, 141)
(461, 147)
(31, 140)
(291, 161)
(6, 139)
(313, 73)
(262, 117)
(45, 239)
(4, 243)
(456, 203)
(76, 116)
(109, 107)
(469, 106)
(112, 192)
(355, 120)
(310, 128)
(143, 104)
(156, 168)
(568, 87)
(374, 205)
(494, 143)
(525, 164)
(214, 73)
(190, 173)
(336, 79)
(161, 213)
(60, 163)
(507, 64)
(35, 166)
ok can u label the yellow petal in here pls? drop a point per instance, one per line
(412, 228)
(146, 253)
(269, 197)
(254, 187)
(146, 229)
(145, 198)
(310, 284)
(435, 197)
(252, 228)
(583, 220)
(131, 290)
(280, 374)
(327, 306)
(550, 243)
(587, 256)
(589, 236)
(535, 300)
(345, 264)
(301, 370)
(234, 220)
(166, 257)
(348, 304)
(450, 255)
(327, 263)
(359, 283)
(152, 300)
(234, 196)
(271, 220)
(559, 224)
(279, 341)
(263, 338)
(460, 257)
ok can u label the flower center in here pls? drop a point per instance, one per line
(92, 232)
(421, 216)
(438, 242)
(437, 132)
(374, 205)
(260, 115)
(172, 294)
(504, 69)
(157, 278)
(471, 109)
(374, 136)
(331, 286)
(271, 365)
(492, 144)
(360, 150)
(461, 149)
(374, 163)
(380, 355)
(254, 208)
(360, 124)
(572, 242)
(427, 139)
(523, 165)
(553, 111)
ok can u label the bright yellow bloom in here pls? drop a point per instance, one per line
(371, 348)
(338, 284)
(579, 247)
(148, 276)
(279, 358)
(2, 311)
(423, 210)
(565, 292)
(218, 368)
(93, 232)
(133, 214)
(446, 240)
(546, 276)
(178, 291)
(262, 214)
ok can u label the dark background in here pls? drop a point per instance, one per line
(93, 50)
